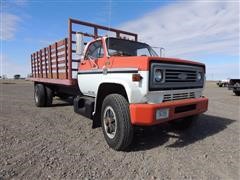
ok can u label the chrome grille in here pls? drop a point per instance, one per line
(176, 76)
(178, 96)
(180, 76)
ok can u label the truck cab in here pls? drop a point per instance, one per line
(123, 83)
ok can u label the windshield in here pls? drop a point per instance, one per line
(123, 47)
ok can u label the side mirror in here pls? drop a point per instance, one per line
(79, 44)
(162, 52)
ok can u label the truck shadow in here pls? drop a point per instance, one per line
(63, 102)
(151, 137)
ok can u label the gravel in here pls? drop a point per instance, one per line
(56, 143)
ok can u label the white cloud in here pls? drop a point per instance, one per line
(9, 26)
(187, 29)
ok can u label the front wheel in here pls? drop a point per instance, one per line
(115, 119)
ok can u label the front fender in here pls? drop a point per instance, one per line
(132, 89)
(89, 84)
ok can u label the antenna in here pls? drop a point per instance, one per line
(162, 50)
(109, 24)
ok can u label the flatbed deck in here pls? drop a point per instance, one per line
(65, 82)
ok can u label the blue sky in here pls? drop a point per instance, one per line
(206, 31)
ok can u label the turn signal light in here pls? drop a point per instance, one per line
(136, 77)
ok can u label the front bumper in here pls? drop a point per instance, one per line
(145, 114)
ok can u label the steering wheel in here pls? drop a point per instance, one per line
(118, 53)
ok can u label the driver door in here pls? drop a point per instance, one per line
(93, 56)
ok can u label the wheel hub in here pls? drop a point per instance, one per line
(110, 123)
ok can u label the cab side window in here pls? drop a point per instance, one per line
(95, 50)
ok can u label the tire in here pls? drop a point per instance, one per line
(49, 96)
(184, 123)
(39, 95)
(237, 93)
(115, 119)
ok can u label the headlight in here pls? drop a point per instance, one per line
(158, 75)
(199, 76)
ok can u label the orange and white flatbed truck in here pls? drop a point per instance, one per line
(117, 81)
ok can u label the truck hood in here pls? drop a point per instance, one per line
(143, 62)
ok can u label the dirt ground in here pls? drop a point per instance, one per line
(54, 143)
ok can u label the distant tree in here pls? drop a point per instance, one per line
(17, 76)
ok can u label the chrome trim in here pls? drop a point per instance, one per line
(110, 70)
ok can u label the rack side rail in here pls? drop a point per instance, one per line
(50, 64)
(56, 63)
(94, 31)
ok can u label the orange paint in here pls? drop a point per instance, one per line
(142, 63)
(139, 62)
(144, 114)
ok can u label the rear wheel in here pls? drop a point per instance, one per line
(185, 123)
(237, 93)
(39, 95)
(115, 119)
(49, 96)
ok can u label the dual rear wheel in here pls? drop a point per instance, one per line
(43, 95)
